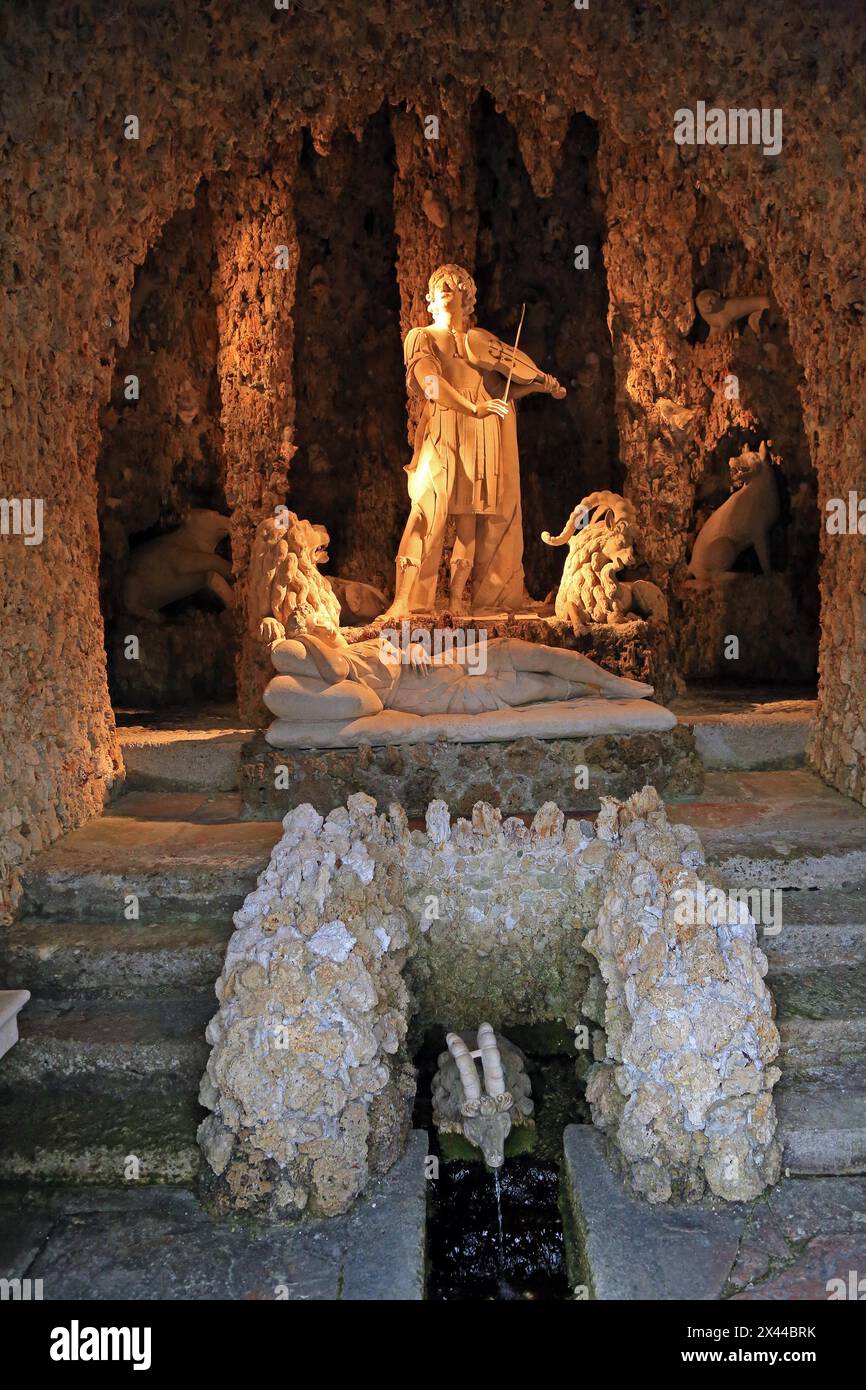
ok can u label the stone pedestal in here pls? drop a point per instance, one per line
(512, 776)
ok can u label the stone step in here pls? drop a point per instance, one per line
(61, 959)
(778, 830)
(822, 1119)
(833, 993)
(816, 1043)
(87, 1130)
(817, 972)
(189, 750)
(749, 730)
(178, 854)
(824, 907)
(122, 1038)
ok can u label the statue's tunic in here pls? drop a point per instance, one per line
(457, 458)
(464, 465)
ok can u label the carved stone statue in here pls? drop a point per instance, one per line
(720, 313)
(360, 603)
(601, 534)
(327, 692)
(744, 519)
(286, 591)
(178, 564)
(284, 573)
(484, 1117)
(465, 463)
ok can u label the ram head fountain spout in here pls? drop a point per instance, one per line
(484, 1117)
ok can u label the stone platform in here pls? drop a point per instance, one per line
(510, 775)
(752, 729)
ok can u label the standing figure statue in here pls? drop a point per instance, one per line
(465, 462)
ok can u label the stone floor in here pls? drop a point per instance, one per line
(789, 1245)
(158, 1243)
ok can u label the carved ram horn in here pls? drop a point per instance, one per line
(575, 521)
(491, 1062)
(465, 1066)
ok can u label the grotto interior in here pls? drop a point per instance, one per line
(272, 322)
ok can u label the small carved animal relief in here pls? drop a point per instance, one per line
(744, 519)
(720, 313)
(678, 418)
(178, 564)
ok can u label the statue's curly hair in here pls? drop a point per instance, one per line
(465, 284)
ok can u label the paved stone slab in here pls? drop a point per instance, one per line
(181, 854)
(805, 1207)
(21, 1237)
(795, 1232)
(387, 1236)
(825, 1266)
(747, 729)
(636, 1251)
(161, 1244)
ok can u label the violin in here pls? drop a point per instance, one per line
(486, 352)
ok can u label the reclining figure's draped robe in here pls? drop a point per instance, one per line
(465, 465)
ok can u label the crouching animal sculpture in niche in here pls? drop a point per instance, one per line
(600, 535)
(720, 313)
(178, 564)
(744, 519)
(484, 1117)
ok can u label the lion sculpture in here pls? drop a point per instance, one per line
(600, 535)
(287, 594)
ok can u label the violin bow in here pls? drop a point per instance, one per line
(516, 341)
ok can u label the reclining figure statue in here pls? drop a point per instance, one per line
(325, 685)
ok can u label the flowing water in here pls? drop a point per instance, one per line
(496, 1236)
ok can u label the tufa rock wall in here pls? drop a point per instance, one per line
(684, 1085)
(360, 928)
(162, 453)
